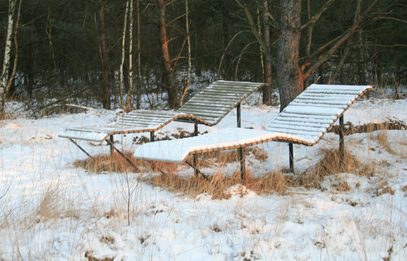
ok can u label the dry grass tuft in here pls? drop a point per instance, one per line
(260, 154)
(54, 205)
(116, 163)
(342, 186)
(383, 141)
(404, 188)
(383, 188)
(221, 158)
(329, 165)
(89, 255)
(217, 185)
(3, 116)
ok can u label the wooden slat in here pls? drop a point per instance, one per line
(317, 106)
(305, 122)
(358, 88)
(296, 128)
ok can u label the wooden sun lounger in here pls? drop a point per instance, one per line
(208, 107)
(304, 121)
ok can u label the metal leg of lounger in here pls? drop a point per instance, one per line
(195, 129)
(241, 150)
(111, 142)
(291, 156)
(151, 136)
(242, 165)
(194, 165)
(121, 154)
(239, 116)
(341, 143)
(82, 149)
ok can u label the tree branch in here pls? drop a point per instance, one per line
(316, 17)
(342, 39)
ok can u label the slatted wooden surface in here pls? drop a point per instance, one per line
(207, 107)
(303, 121)
(312, 112)
(216, 101)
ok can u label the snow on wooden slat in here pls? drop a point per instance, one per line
(321, 106)
(303, 121)
(299, 122)
(221, 103)
(312, 110)
(84, 135)
(295, 131)
(204, 106)
(320, 102)
(178, 150)
(336, 87)
(275, 125)
(314, 117)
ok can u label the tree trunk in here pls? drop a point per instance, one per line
(267, 91)
(5, 74)
(139, 83)
(189, 69)
(123, 54)
(288, 72)
(129, 101)
(169, 70)
(104, 56)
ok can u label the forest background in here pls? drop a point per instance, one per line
(131, 53)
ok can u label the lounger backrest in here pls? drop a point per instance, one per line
(312, 112)
(218, 99)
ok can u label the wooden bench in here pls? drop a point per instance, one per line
(304, 121)
(208, 107)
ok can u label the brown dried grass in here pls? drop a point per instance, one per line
(221, 158)
(3, 116)
(54, 205)
(116, 163)
(216, 186)
(329, 165)
(383, 141)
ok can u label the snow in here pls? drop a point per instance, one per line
(305, 224)
(178, 150)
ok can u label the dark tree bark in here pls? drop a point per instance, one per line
(104, 55)
(267, 91)
(169, 70)
(288, 71)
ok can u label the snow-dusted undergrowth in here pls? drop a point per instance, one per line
(53, 211)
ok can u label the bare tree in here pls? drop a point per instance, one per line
(189, 69)
(104, 54)
(169, 68)
(288, 49)
(129, 101)
(265, 46)
(123, 54)
(5, 74)
(138, 50)
(291, 75)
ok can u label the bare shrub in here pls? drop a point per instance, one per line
(329, 165)
(217, 185)
(404, 188)
(116, 163)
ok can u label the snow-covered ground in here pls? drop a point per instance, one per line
(53, 211)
